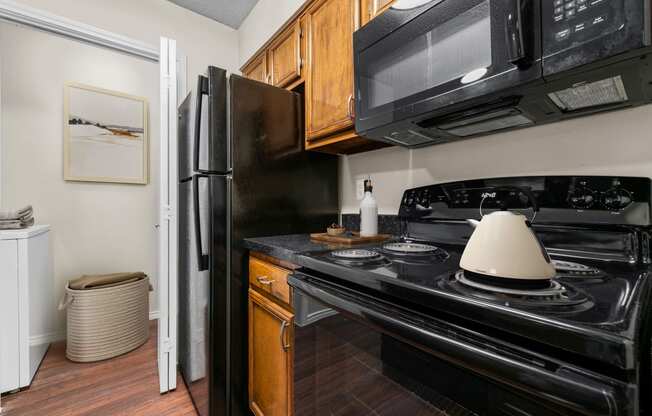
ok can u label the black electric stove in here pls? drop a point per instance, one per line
(588, 329)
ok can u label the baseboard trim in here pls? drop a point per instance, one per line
(47, 338)
(153, 315)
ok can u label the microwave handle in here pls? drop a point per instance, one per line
(563, 387)
(514, 33)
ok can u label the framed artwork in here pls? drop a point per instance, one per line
(105, 136)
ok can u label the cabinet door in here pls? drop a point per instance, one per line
(285, 56)
(372, 8)
(270, 357)
(329, 79)
(257, 69)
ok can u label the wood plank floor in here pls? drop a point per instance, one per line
(125, 385)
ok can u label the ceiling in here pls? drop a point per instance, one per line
(228, 12)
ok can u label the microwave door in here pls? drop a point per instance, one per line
(211, 146)
(454, 51)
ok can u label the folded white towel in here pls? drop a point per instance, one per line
(14, 214)
(16, 224)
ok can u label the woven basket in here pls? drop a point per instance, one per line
(106, 322)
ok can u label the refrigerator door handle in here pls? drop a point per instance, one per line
(202, 89)
(202, 259)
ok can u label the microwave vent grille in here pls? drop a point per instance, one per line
(411, 138)
(594, 94)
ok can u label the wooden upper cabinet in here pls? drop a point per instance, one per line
(284, 56)
(372, 8)
(257, 68)
(270, 357)
(329, 79)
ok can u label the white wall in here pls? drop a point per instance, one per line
(262, 22)
(204, 41)
(96, 227)
(617, 143)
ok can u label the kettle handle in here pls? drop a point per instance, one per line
(526, 191)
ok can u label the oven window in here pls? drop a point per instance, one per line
(344, 368)
(459, 48)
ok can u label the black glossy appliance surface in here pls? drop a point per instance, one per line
(447, 70)
(243, 173)
(589, 326)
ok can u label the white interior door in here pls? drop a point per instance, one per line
(173, 87)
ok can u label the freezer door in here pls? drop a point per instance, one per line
(211, 142)
(194, 288)
(186, 137)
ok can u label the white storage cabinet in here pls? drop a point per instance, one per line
(27, 309)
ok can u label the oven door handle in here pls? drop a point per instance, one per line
(569, 389)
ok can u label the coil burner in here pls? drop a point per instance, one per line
(359, 257)
(410, 248)
(547, 294)
(414, 253)
(571, 269)
(355, 254)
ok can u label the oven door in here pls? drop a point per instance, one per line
(362, 356)
(416, 60)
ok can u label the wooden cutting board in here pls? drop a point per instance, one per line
(349, 239)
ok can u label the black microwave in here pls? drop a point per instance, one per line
(434, 71)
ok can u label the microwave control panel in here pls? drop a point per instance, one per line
(569, 23)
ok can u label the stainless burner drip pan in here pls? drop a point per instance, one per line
(355, 254)
(554, 290)
(557, 297)
(572, 269)
(410, 248)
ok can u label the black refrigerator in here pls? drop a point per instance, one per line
(243, 173)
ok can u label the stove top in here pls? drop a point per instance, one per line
(590, 308)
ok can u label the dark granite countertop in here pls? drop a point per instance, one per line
(287, 247)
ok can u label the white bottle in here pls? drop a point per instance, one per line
(368, 212)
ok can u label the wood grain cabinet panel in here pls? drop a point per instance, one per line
(284, 56)
(257, 69)
(372, 8)
(329, 80)
(269, 279)
(270, 357)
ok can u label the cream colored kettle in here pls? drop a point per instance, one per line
(503, 245)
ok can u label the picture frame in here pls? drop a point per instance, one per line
(106, 135)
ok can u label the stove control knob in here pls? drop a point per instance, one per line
(616, 199)
(582, 198)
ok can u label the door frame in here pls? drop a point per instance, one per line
(49, 22)
(173, 69)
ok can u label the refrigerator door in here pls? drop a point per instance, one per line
(211, 144)
(219, 188)
(186, 136)
(194, 288)
(277, 189)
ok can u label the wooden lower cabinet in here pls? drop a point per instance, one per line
(270, 357)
